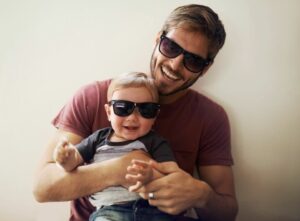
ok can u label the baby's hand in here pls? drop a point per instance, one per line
(139, 172)
(64, 153)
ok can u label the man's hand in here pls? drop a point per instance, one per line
(176, 191)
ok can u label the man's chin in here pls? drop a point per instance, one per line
(168, 93)
(162, 91)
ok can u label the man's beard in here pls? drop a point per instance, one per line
(184, 86)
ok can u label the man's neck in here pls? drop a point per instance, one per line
(171, 98)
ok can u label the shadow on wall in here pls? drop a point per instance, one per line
(259, 197)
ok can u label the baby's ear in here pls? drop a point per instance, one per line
(107, 110)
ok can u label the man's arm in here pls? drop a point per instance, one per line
(54, 184)
(213, 196)
(221, 203)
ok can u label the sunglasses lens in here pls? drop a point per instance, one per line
(191, 61)
(123, 108)
(169, 48)
(148, 110)
(194, 63)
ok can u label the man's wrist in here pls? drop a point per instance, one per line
(205, 192)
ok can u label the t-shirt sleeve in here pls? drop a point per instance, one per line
(78, 115)
(87, 147)
(159, 148)
(216, 140)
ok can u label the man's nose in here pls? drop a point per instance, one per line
(177, 62)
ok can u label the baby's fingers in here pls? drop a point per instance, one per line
(140, 163)
(135, 187)
(133, 169)
(132, 177)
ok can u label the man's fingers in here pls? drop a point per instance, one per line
(165, 167)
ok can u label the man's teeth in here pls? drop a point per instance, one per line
(169, 74)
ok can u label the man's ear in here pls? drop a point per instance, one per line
(157, 38)
(107, 110)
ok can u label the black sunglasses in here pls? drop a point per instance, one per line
(171, 49)
(124, 108)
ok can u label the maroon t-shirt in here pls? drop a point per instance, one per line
(196, 128)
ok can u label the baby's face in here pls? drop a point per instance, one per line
(134, 125)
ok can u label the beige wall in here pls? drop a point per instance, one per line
(50, 48)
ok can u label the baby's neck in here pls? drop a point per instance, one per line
(115, 138)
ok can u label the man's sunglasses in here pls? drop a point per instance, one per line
(171, 49)
(125, 108)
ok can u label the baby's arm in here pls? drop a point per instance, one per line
(66, 155)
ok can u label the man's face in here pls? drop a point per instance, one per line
(170, 74)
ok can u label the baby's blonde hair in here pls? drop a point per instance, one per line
(133, 79)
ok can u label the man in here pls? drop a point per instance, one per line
(196, 127)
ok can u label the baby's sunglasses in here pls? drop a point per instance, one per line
(124, 108)
(171, 49)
